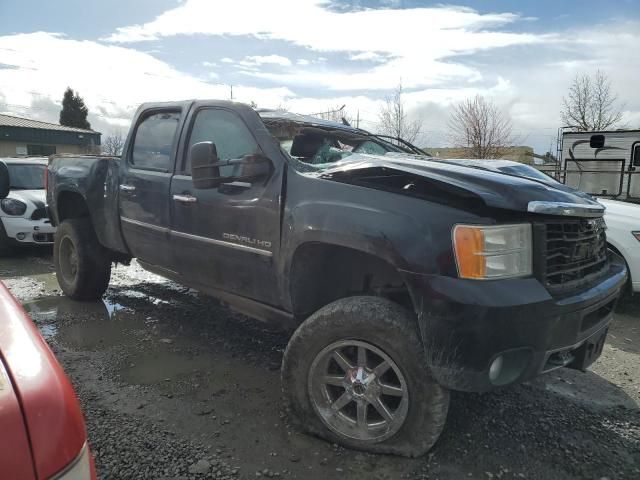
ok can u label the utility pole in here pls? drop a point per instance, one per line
(231, 91)
(358, 119)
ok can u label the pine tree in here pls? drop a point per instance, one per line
(74, 111)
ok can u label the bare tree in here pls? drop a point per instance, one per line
(479, 126)
(590, 104)
(113, 144)
(393, 119)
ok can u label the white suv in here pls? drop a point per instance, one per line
(623, 234)
(23, 213)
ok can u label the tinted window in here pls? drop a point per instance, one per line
(230, 135)
(636, 156)
(41, 150)
(154, 141)
(26, 177)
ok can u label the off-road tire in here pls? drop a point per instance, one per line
(392, 329)
(93, 269)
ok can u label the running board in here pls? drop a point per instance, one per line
(246, 306)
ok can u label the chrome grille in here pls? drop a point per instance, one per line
(576, 251)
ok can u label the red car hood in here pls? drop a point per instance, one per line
(37, 401)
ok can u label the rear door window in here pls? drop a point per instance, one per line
(154, 142)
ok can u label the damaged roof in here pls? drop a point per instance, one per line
(277, 115)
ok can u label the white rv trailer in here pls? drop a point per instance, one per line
(603, 163)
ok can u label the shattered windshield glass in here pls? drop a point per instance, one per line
(317, 147)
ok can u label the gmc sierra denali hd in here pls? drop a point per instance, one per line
(401, 278)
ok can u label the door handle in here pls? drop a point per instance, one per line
(127, 188)
(185, 198)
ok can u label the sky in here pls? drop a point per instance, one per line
(314, 55)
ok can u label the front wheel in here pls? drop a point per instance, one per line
(355, 373)
(83, 266)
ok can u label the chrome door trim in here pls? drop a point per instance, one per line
(222, 243)
(150, 226)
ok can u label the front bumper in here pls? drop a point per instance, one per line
(466, 325)
(25, 231)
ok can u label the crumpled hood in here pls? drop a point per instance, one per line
(30, 197)
(494, 189)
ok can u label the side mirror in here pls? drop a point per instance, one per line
(205, 170)
(5, 183)
(255, 167)
(596, 141)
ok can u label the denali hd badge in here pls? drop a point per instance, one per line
(254, 242)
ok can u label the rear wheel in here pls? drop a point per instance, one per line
(83, 266)
(355, 373)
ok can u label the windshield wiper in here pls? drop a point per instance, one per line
(410, 146)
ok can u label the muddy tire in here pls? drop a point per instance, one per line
(83, 266)
(355, 373)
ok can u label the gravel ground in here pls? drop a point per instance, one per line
(176, 386)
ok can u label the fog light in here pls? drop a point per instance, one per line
(21, 236)
(496, 368)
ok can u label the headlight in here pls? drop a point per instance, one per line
(637, 235)
(80, 468)
(490, 252)
(11, 206)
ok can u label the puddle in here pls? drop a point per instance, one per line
(48, 330)
(65, 319)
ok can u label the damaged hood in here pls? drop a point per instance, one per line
(421, 176)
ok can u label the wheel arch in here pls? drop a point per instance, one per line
(321, 272)
(71, 204)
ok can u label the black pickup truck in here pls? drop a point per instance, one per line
(401, 277)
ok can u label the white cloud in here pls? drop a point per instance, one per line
(423, 46)
(269, 60)
(418, 40)
(370, 56)
(113, 80)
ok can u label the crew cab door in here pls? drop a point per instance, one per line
(147, 167)
(226, 237)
